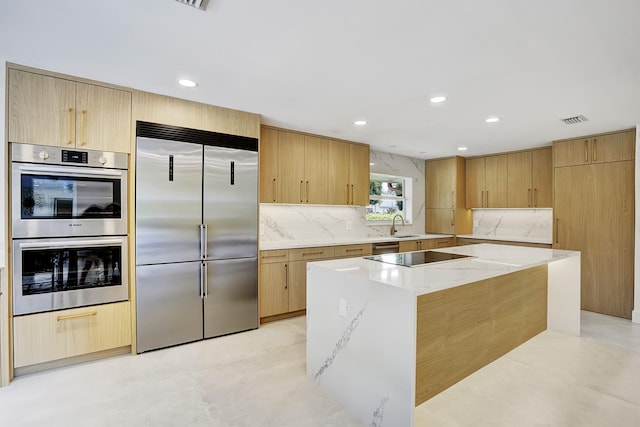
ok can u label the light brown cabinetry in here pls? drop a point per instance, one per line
(358, 175)
(47, 110)
(425, 244)
(612, 147)
(274, 282)
(594, 214)
(55, 335)
(486, 179)
(445, 197)
(350, 251)
(305, 169)
(463, 241)
(529, 178)
(283, 278)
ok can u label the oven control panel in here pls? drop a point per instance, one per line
(27, 153)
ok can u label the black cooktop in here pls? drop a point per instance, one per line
(415, 259)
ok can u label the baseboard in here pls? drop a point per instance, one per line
(61, 363)
(635, 316)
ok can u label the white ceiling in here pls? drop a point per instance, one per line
(317, 66)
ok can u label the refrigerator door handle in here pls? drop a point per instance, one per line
(203, 275)
(205, 279)
(203, 241)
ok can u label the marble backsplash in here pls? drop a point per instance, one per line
(309, 222)
(536, 223)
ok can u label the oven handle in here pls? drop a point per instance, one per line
(71, 170)
(72, 244)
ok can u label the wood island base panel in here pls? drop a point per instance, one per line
(382, 338)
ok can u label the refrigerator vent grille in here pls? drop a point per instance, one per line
(574, 120)
(198, 4)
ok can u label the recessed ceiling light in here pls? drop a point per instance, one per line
(437, 99)
(462, 148)
(360, 122)
(187, 83)
(492, 119)
(392, 146)
(372, 164)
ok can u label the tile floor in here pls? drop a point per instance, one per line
(258, 378)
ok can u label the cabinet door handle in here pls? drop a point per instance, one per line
(595, 149)
(535, 197)
(83, 118)
(286, 276)
(586, 151)
(453, 199)
(273, 256)
(301, 191)
(312, 253)
(307, 192)
(69, 130)
(354, 250)
(75, 316)
(274, 188)
(557, 230)
(452, 217)
(353, 202)
(347, 193)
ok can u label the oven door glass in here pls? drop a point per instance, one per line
(65, 273)
(59, 196)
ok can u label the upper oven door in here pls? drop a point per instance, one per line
(64, 201)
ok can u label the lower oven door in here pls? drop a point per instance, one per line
(56, 274)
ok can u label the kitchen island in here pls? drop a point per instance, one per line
(383, 338)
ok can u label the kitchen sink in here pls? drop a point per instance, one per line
(405, 236)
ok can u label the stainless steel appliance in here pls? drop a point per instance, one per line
(385, 248)
(417, 259)
(56, 192)
(54, 274)
(196, 235)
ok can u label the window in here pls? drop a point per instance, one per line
(389, 196)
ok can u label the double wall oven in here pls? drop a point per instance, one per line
(69, 228)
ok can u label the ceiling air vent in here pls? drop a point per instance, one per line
(574, 120)
(198, 4)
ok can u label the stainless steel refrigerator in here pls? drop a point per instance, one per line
(196, 235)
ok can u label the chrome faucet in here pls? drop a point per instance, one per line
(393, 224)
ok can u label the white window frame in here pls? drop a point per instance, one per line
(407, 191)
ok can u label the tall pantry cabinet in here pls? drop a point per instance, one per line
(594, 214)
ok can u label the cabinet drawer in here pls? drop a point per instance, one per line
(278, 255)
(56, 335)
(443, 243)
(346, 251)
(306, 254)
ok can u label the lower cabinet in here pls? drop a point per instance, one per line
(462, 241)
(283, 278)
(283, 275)
(55, 335)
(424, 244)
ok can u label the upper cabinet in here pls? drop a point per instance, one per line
(358, 174)
(486, 179)
(529, 179)
(300, 169)
(48, 110)
(445, 197)
(604, 148)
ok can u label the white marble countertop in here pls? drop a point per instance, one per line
(489, 260)
(541, 240)
(336, 241)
